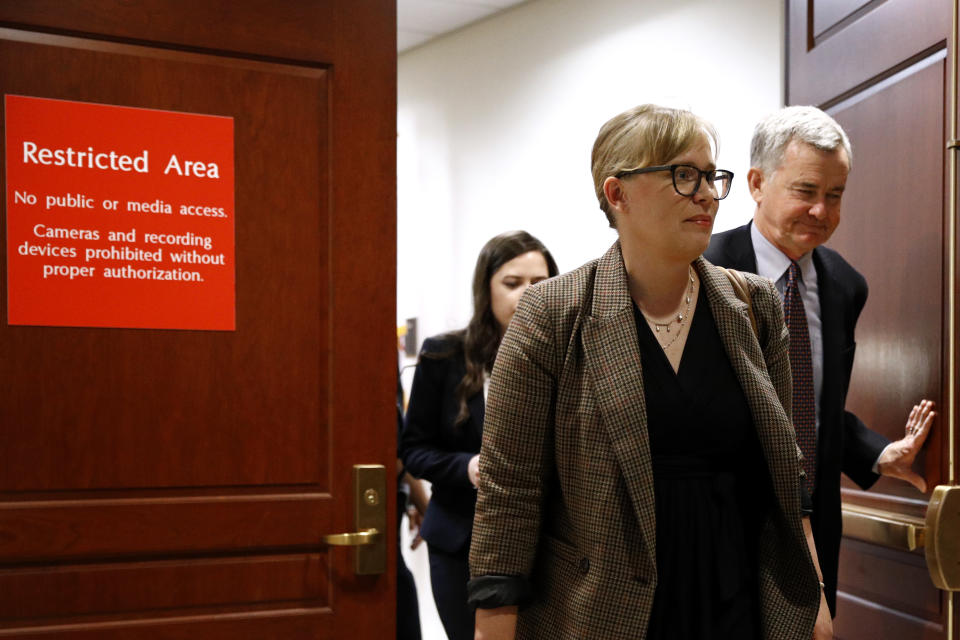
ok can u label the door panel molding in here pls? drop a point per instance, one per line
(832, 17)
(93, 529)
(305, 623)
(888, 78)
(863, 618)
(185, 585)
(818, 72)
(881, 68)
(222, 465)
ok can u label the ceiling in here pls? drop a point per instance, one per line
(421, 20)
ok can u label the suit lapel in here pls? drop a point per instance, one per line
(773, 426)
(612, 357)
(831, 335)
(739, 250)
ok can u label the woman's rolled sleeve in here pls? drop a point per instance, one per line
(490, 592)
(515, 457)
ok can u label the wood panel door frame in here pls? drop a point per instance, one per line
(845, 57)
(349, 47)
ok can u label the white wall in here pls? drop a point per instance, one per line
(496, 122)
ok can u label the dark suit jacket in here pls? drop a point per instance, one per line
(844, 442)
(435, 449)
(566, 496)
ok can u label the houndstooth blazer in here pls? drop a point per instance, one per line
(566, 500)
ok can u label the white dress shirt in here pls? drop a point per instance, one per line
(774, 264)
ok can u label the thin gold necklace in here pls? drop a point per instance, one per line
(681, 318)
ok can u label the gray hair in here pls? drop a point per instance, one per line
(809, 125)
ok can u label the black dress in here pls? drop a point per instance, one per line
(711, 485)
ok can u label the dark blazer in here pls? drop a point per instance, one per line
(566, 496)
(844, 442)
(435, 449)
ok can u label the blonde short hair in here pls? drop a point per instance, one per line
(644, 136)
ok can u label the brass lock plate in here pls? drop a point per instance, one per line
(943, 537)
(370, 512)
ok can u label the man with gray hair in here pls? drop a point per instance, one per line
(800, 158)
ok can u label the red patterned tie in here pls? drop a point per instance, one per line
(804, 411)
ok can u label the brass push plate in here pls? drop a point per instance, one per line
(370, 512)
(943, 537)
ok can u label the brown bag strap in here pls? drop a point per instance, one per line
(740, 287)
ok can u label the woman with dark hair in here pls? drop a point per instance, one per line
(441, 438)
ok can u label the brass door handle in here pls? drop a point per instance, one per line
(884, 528)
(943, 537)
(938, 534)
(354, 539)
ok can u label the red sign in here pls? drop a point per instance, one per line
(118, 217)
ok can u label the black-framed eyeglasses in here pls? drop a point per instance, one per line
(687, 178)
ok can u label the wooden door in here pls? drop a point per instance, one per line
(178, 483)
(882, 69)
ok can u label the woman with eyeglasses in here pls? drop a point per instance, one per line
(444, 421)
(639, 476)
